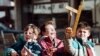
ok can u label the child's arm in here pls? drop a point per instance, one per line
(68, 42)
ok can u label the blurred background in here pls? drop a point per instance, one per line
(16, 14)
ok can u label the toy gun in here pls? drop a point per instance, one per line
(70, 32)
(27, 49)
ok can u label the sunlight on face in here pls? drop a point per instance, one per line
(29, 35)
(83, 33)
(50, 31)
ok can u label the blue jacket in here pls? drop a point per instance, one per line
(34, 47)
(76, 48)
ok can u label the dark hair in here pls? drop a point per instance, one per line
(36, 30)
(42, 28)
(84, 25)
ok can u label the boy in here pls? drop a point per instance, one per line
(80, 45)
(29, 46)
(51, 45)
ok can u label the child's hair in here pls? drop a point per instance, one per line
(84, 25)
(36, 30)
(42, 28)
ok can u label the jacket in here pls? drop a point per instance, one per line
(46, 43)
(76, 48)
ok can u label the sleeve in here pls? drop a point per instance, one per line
(18, 46)
(69, 47)
(7, 51)
(37, 50)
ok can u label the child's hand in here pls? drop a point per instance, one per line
(24, 52)
(54, 49)
(69, 32)
(14, 53)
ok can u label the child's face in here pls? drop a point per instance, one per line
(83, 33)
(29, 35)
(50, 31)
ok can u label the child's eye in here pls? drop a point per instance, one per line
(30, 33)
(84, 32)
(33, 32)
(25, 32)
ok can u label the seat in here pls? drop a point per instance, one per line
(9, 39)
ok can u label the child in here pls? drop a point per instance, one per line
(52, 46)
(79, 45)
(30, 46)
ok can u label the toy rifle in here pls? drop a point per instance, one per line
(71, 32)
(78, 13)
(77, 18)
(28, 50)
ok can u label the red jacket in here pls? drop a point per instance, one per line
(47, 46)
